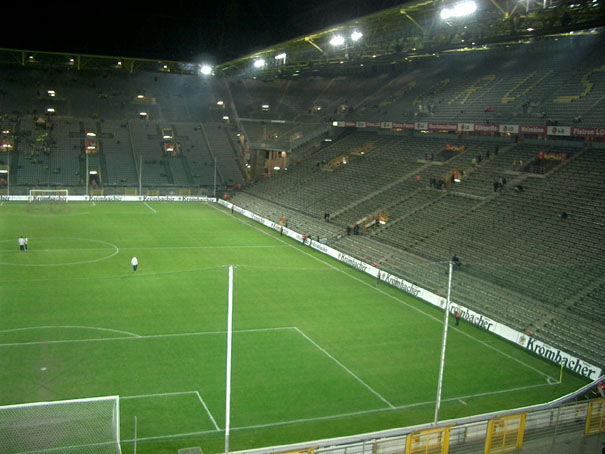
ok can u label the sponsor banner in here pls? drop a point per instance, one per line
(443, 126)
(338, 124)
(538, 130)
(588, 132)
(404, 125)
(360, 124)
(386, 125)
(558, 131)
(421, 126)
(509, 129)
(474, 317)
(350, 124)
(486, 128)
(372, 124)
(466, 127)
(105, 198)
(559, 357)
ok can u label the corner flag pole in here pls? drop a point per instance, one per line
(228, 384)
(443, 344)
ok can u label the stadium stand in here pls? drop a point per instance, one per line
(444, 194)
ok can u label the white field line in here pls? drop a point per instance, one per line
(31, 328)
(181, 393)
(147, 205)
(146, 396)
(343, 415)
(207, 411)
(420, 311)
(141, 337)
(349, 371)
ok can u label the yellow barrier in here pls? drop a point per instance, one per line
(596, 415)
(431, 441)
(505, 434)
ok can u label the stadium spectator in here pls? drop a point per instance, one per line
(135, 264)
(563, 217)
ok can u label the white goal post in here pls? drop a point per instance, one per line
(45, 195)
(88, 426)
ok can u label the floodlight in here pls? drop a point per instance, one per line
(356, 35)
(337, 40)
(259, 63)
(459, 10)
(281, 56)
(220, 103)
(3, 171)
(206, 70)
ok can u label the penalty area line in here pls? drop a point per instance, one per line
(147, 205)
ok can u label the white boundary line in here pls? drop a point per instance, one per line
(142, 337)
(207, 411)
(177, 393)
(351, 373)
(342, 415)
(344, 271)
(115, 248)
(147, 205)
(30, 328)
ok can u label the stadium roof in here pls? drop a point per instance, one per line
(394, 35)
(416, 29)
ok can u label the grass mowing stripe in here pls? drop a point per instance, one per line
(506, 355)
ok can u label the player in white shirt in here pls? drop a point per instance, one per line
(135, 263)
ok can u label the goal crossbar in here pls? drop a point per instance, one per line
(60, 195)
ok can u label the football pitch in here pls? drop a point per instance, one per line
(319, 350)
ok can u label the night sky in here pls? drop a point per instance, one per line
(172, 30)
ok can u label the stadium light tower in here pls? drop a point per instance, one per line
(458, 10)
(259, 63)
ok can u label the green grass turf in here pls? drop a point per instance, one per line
(318, 349)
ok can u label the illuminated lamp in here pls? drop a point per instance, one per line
(458, 10)
(337, 40)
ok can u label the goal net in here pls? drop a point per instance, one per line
(48, 195)
(87, 426)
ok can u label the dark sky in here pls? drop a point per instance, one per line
(172, 30)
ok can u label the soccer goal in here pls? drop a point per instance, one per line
(46, 195)
(88, 426)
